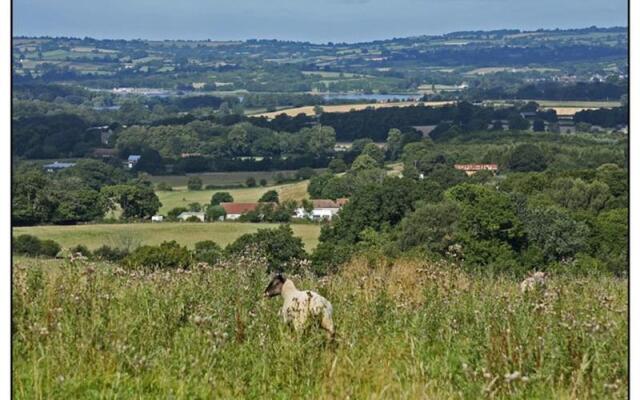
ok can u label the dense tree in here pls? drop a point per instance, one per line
(270, 196)
(221, 197)
(364, 162)
(337, 165)
(136, 201)
(317, 184)
(518, 123)
(150, 162)
(394, 143)
(375, 152)
(194, 183)
(215, 212)
(527, 157)
(538, 125)
(431, 226)
(555, 233)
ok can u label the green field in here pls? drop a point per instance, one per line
(124, 235)
(182, 198)
(221, 178)
(406, 330)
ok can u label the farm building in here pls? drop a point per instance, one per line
(157, 218)
(235, 210)
(188, 214)
(471, 169)
(57, 166)
(322, 209)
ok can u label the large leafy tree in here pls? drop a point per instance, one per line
(136, 201)
(32, 201)
(278, 245)
(527, 157)
(221, 197)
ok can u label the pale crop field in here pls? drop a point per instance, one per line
(182, 198)
(309, 110)
(132, 235)
(406, 330)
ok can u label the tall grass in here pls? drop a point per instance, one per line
(407, 329)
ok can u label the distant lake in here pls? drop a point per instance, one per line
(373, 97)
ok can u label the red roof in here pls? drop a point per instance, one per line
(476, 167)
(238, 208)
(324, 203)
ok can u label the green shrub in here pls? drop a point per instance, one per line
(82, 249)
(278, 245)
(194, 183)
(207, 251)
(113, 254)
(164, 187)
(337, 165)
(251, 182)
(167, 255)
(270, 196)
(193, 218)
(49, 248)
(27, 245)
(30, 245)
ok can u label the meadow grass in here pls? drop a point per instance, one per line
(185, 233)
(406, 330)
(182, 198)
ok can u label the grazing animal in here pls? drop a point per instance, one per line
(299, 305)
(535, 281)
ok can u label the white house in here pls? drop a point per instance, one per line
(133, 160)
(322, 209)
(157, 218)
(188, 214)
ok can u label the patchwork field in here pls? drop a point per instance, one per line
(182, 198)
(309, 110)
(406, 330)
(185, 233)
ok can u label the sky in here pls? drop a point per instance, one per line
(317, 21)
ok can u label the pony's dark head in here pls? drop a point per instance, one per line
(275, 286)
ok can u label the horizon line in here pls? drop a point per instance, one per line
(321, 43)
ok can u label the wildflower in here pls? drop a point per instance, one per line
(512, 376)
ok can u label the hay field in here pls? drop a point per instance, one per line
(407, 330)
(308, 110)
(185, 233)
